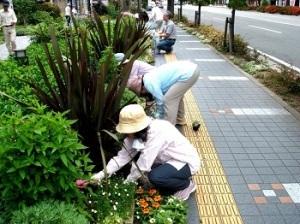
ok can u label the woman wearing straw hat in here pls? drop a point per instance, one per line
(167, 84)
(166, 156)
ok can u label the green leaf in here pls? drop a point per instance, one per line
(64, 159)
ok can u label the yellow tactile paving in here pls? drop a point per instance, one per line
(215, 201)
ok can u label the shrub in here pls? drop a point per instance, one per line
(52, 9)
(40, 157)
(240, 46)
(260, 8)
(272, 9)
(265, 3)
(24, 10)
(54, 212)
(293, 10)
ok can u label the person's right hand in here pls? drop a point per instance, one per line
(98, 176)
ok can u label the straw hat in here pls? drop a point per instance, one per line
(132, 119)
(120, 57)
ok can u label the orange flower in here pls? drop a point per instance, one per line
(143, 203)
(145, 211)
(152, 191)
(157, 198)
(155, 205)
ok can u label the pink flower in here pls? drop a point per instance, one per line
(81, 183)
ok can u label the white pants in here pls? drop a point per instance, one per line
(10, 38)
(173, 99)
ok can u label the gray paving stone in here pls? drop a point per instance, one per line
(229, 163)
(268, 209)
(243, 198)
(264, 170)
(241, 156)
(260, 163)
(273, 219)
(244, 163)
(253, 179)
(269, 178)
(281, 170)
(275, 162)
(248, 210)
(226, 156)
(285, 178)
(237, 179)
(248, 171)
(288, 209)
(292, 219)
(290, 162)
(252, 219)
(239, 188)
(255, 156)
(232, 171)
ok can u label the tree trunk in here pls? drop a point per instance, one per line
(170, 6)
(199, 14)
(231, 31)
(180, 10)
(297, 3)
(287, 3)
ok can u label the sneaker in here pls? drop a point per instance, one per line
(185, 193)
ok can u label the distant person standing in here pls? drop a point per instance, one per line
(68, 14)
(8, 22)
(167, 35)
(157, 16)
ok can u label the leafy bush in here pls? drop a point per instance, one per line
(51, 8)
(293, 10)
(112, 11)
(240, 46)
(52, 212)
(25, 10)
(271, 9)
(40, 157)
(265, 3)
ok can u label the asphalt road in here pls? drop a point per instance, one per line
(276, 35)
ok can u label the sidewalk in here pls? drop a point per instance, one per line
(22, 43)
(249, 142)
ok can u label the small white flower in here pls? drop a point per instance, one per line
(169, 220)
(125, 190)
(115, 207)
(90, 202)
(171, 200)
(138, 217)
(109, 194)
(116, 203)
(119, 194)
(127, 195)
(103, 193)
(111, 213)
(152, 220)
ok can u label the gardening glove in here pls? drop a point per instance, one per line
(98, 176)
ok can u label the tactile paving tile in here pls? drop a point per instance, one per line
(215, 201)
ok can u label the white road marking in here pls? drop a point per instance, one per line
(219, 19)
(293, 190)
(229, 78)
(184, 35)
(209, 60)
(262, 28)
(198, 49)
(189, 41)
(259, 111)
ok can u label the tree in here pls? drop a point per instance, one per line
(200, 3)
(233, 4)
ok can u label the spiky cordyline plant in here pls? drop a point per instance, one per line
(80, 86)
